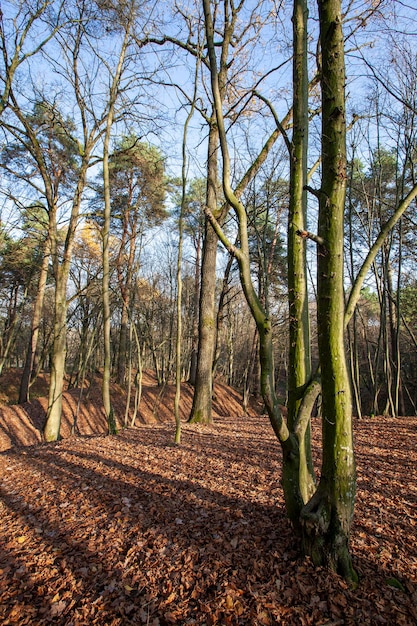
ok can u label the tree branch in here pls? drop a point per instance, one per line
(357, 286)
(305, 234)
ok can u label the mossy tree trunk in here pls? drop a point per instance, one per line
(326, 519)
(299, 370)
(323, 520)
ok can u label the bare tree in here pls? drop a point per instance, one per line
(21, 24)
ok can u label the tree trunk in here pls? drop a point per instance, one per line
(195, 323)
(34, 330)
(126, 291)
(108, 409)
(399, 396)
(203, 390)
(299, 371)
(177, 437)
(12, 325)
(53, 416)
(220, 311)
(252, 362)
(61, 268)
(106, 297)
(122, 357)
(326, 519)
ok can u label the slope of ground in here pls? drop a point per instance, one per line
(130, 529)
(83, 412)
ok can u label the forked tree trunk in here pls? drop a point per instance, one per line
(326, 519)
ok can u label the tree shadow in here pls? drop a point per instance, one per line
(194, 526)
(128, 529)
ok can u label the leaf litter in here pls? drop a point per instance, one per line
(130, 529)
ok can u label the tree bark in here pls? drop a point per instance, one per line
(203, 390)
(62, 267)
(53, 416)
(326, 519)
(299, 371)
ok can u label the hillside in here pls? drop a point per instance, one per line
(22, 425)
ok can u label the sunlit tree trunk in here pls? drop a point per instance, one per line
(124, 340)
(203, 390)
(327, 517)
(106, 288)
(324, 522)
(52, 425)
(262, 320)
(299, 371)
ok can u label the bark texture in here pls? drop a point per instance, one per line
(326, 519)
(203, 390)
(61, 269)
(299, 371)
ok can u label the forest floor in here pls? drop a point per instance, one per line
(130, 529)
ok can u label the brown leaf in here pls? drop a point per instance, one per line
(58, 608)
(229, 603)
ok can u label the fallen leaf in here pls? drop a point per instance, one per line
(58, 607)
(229, 602)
